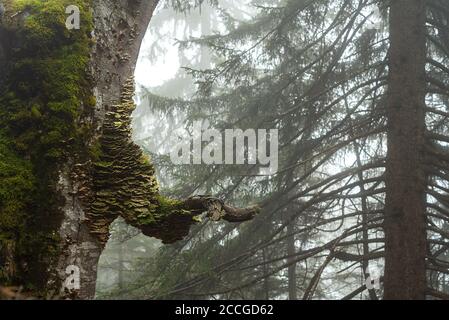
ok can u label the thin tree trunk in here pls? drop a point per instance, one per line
(206, 29)
(365, 211)
(266, 280)
(291, 250)
(120, 266)
(405, 224)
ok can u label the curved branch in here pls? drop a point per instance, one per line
(217, 210)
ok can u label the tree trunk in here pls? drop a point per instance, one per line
(96, 173)
(120, 266)
(119, 28)
(291, 251)
(405, 223)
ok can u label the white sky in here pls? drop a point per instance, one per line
(152, 74)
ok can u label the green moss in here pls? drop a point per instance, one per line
(159, 209)
(48, 83)
(166, 205)
(17, 191)
(47, 92)
(95, 151)
(17, 184)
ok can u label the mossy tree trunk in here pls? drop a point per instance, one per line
(116, 29)
(96, 173)
(119, 27)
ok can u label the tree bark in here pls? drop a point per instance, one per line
(291, 251)
(94, 189)
(119, 28)
(405, 224)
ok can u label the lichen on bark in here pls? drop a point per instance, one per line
(124, 181)
(124, 184)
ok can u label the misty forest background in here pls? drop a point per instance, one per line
(317, 71)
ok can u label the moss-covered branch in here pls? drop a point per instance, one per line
(172, 219)
(218, 210)
(124, 184)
